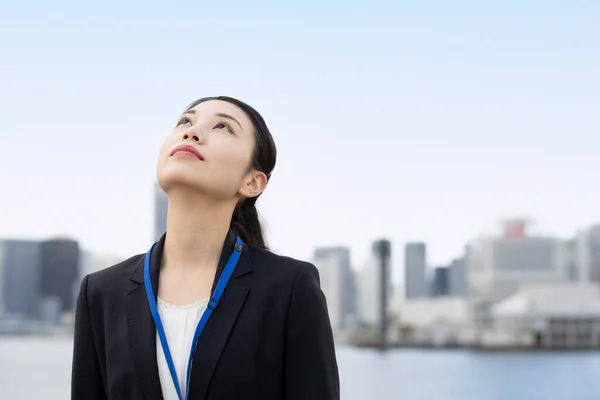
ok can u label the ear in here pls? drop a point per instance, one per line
(254, 184)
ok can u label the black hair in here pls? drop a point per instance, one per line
(245, 221)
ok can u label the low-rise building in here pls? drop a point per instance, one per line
(546, 316)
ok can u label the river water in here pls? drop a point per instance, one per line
(40, 369)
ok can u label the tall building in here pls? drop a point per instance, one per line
(368, 289)
(338, 284)
(440, 284)
(161, 206)
(415, 270)
(571, 260)
(374, 283)
(86, 260)
(588, 254)
(19, 277)
(499, 266)
(458, 277)
(382, 250)
(60, 271)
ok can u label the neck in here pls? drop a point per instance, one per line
(196, 230)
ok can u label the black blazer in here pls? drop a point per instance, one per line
(269, 338)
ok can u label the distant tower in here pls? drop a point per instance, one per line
(382, 249)
(161, 205)
(338, 284)
(59, 271)
(19, 277)
(415, 265)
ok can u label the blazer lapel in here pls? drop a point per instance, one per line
(141, 327)
(142, 330)
(213, 339)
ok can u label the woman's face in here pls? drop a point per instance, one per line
(217, 162)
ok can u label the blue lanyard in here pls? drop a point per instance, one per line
(212, 305)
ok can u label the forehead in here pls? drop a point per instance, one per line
(213, 108)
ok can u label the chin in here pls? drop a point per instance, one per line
(170, 179)
(176, 177)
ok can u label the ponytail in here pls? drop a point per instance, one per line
(246, 224)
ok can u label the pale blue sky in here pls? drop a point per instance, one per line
(414, 122)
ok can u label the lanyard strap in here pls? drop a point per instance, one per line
(212, 305)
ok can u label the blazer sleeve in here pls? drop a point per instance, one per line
(86, 378)
(311, 371)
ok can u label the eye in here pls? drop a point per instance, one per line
(223, 125)
(184, 121)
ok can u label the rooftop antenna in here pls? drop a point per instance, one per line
(515, 227)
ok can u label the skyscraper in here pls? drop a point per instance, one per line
(415, 266)
(440, 285)
(382, 249)
(59, 271)
(338, 284)
(161, 205)
(375, 288)
(19, 277)
(458, 277)
(588, 254)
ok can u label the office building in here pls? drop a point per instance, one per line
(570, 259)
(337, 282)
(19, 277)
(59, 271)
(498, 266)
(86, 261)
(375, 284)
(415, 270)
(161, 206)
(382, 250)
(440, 284)
(458, 277)
(588, 254)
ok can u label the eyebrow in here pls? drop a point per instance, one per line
(226, 116)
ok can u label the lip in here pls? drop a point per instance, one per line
(189, 150)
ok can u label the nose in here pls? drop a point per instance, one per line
(193, 136)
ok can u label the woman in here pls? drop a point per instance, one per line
(208, 312)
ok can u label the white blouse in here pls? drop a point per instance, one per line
(180, 324)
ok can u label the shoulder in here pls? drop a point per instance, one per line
(298, 284)
(288, 276)
(268, 262)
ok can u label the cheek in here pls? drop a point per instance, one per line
(162, 169)
(238, 156)
(232, 162)
(166, 146)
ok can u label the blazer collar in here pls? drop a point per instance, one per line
(142, 330)
(243, 267)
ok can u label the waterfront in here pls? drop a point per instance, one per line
(32, 368)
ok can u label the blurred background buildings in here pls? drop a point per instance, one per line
(511, 289)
